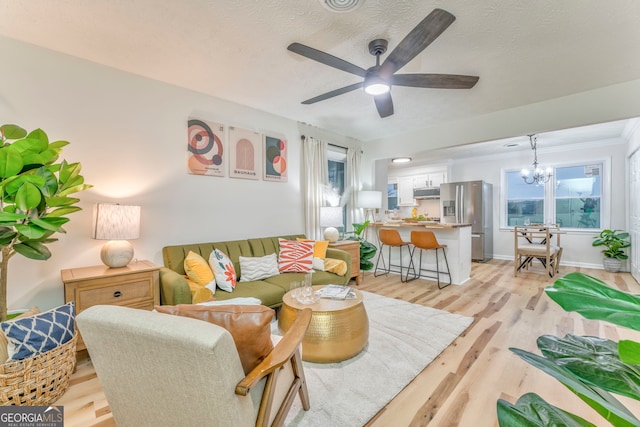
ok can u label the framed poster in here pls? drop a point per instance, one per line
(275, 159)
(205, 148)
(244, 153)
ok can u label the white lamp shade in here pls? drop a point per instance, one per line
(331, 216)
(370, 199)
(116, 222)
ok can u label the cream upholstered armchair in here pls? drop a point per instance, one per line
(163, 370)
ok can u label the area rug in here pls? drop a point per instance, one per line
(403, 339)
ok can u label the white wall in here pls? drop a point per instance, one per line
(129, 133)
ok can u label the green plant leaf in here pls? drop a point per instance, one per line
(68, 171)
(12, 132)
(7, 234)
(30, 231)
(10, 162)
(533, 411)
(28, 197)
(50, 223)
(629, 352)
(8, 218)
(61, 201)
(594, 360)
(603, 402)
(40, 139)
(74, 189)
(50, 186)
(594, 299)
(33, 250)
(14, 185)
(66, 210)
(58, 145)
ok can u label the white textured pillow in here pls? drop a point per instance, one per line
(258, 268)
(318, 264)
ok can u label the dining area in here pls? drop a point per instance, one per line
(539, 244)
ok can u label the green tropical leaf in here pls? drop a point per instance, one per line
(33, 250)
(7, 234)
(68, 171)
(50, 186)
(50, 223)
(14, 185)
(10, 162)
(63, 211)
(61, 201)
(58, 145)
(40, 138)
(12, 132)
(30, 231)
(594, 299)
(533, 411)
(594, 360)
(8, 218)
(629, 352)
(74, 189)
(33, 160)
(29, 145)
(603, 402)
(28, 197)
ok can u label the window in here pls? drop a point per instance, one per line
(573, 198)
(336, 162)
(392, 196)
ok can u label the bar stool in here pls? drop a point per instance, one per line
(426, 240)
(391, 238)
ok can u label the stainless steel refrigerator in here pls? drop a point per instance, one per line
(470, 203)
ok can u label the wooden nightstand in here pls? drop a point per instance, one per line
(135, 285)
(353, 247)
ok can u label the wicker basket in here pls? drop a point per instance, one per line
(38, 380)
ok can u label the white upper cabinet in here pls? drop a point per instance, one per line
(405, 191)
(429, 180)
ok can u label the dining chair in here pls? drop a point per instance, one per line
(537, 242)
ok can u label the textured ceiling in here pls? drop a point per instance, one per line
(523, 51)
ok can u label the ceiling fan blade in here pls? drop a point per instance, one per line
(435, 81)
(384, 104)
(416, 41)
(334, 93)
(326, 59)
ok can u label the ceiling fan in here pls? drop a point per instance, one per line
(379, 78)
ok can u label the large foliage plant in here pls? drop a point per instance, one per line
(614, 242)
(35, 196)
(367, 249)
(593, 368)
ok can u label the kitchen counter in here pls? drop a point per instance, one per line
(457, 237)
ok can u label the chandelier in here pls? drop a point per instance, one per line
(537, 175)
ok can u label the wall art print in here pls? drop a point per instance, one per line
(244, 153)
(275, 159)
(205, 148)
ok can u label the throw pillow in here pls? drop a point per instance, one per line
(295, 257)
(320, 247)
(223, 270)
(4, 355)
(199, 293)
(258, 268)
(40, 333)
(336, 266)
(197, 269)
(318, 264)
(249, 325)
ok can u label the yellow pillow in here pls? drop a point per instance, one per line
(197, 269)
(4, 354)
(336, 266)
(199, 293)
(319, 249)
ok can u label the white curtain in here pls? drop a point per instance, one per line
(354, 214)
(315, 177)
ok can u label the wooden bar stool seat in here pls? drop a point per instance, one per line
(391, 238)
(427, 241)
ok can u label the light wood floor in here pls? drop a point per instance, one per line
(461, 386)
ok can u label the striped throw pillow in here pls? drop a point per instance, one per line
(295, 257)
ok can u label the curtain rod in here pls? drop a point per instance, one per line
(328, 143)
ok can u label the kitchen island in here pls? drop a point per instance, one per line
(457, 237)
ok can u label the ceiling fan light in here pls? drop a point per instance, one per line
(377, 88)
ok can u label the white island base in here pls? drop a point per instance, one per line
(457, 238)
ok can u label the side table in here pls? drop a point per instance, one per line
(353, 247)
(136, 285)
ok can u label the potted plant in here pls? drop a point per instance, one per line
(367, 249)
(35, 191)
(614, 241)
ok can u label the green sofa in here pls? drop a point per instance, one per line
(175, 290)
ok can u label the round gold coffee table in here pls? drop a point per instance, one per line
(339, 329)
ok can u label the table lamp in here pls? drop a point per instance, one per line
(369, 200)
(331, 217)
(118, 224)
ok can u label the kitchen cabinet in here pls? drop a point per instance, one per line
(429, 180)
(405, 191)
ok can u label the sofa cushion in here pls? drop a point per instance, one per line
(200, 293)
(223, 270)
(319, 247)
(257, 268)
(4, 355)
(336, 266)
(295, 256)
(270, 294)
(197, 269)
(41, 332)
(249, 325)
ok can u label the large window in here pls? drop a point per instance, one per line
(573, 198)
(337, 159)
